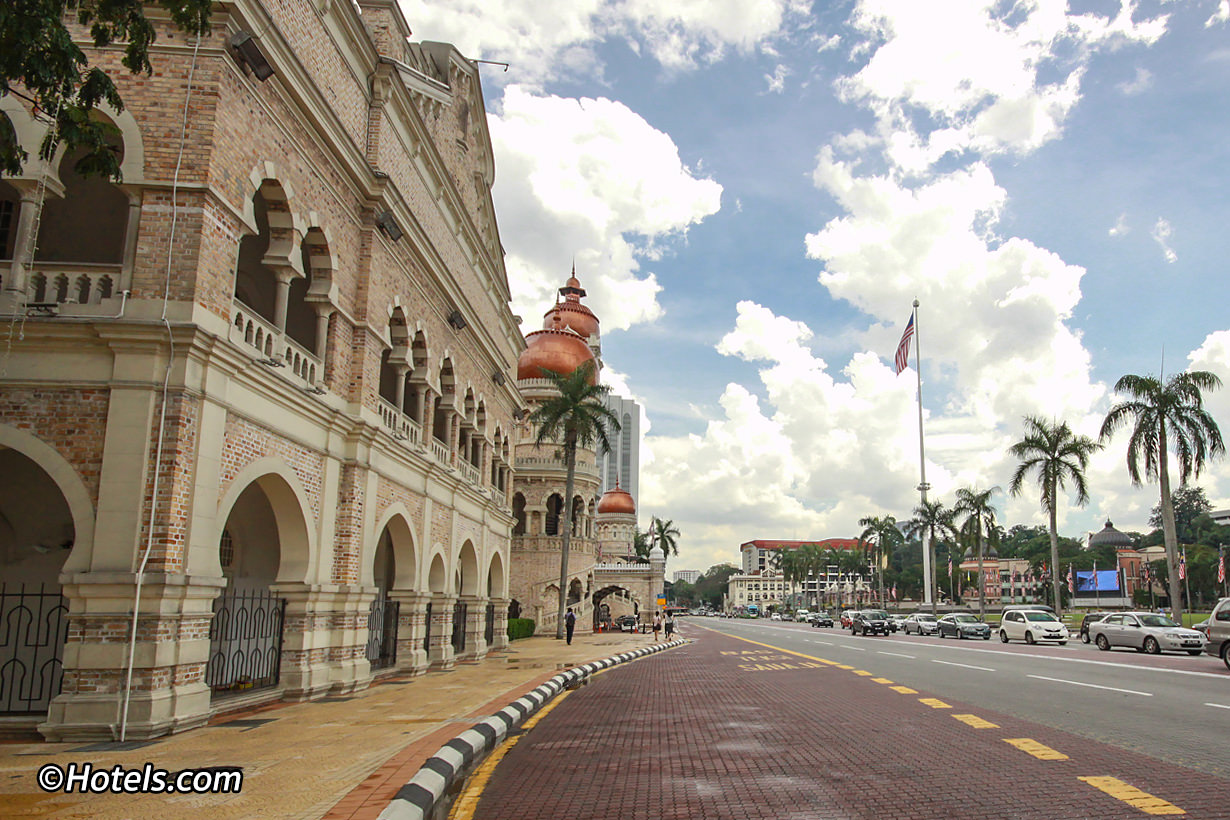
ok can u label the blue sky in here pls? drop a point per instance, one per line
(756, 190)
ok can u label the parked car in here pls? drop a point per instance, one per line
(1090, 618)
(776, 616)
(1219, 632)
(626, 623)
(847, 616)
(1032, 626)
(962, 625)
(895, 621)
(921, 623)
(869, 622)
(821, 619)
(1145, 632)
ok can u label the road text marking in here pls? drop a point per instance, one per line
(1133, 796)
(934, 703)
(1094, 686)
(1035, 748)
(976, 722)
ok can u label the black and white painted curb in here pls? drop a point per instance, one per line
(424, 794)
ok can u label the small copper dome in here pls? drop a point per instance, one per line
(555, 349)
(573, 315)
(616, 501)
(1109, 536)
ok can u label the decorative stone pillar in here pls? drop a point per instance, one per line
(454, 435)
(306, 641)
(440, 653)
(324, 311)
(284, 275)
(500, 633)
(476, 623)
(401, 369)
(411, 629)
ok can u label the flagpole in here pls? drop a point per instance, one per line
(929, 588)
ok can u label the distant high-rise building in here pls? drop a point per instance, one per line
(687, 575)
(623, 462)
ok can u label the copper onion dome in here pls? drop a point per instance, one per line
(1109, 536)
(574, 314)
(616, 500)
(556, 349)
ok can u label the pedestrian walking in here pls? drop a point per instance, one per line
(657, 626)
(670, 625)
(570, 623)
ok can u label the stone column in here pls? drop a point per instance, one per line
(284, 276)
(440, 653)
(411, 629)
(15, 283)
(306, 641)
(323, 312)
(476, 622)
(401, 369)
(454, 435)
(500, 638)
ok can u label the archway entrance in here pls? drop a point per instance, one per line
(245, 635)
(383, 617)
(36, 535)
(610, 603)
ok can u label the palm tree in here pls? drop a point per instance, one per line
(932, 518)
(1056, 455)
(880, 533)
(663, 535)
(641, 546)
(1159, 412)
(575, 418)
(811, 558)
(979, 518)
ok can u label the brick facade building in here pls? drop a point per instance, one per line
(259, 391)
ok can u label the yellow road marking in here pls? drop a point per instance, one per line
(976, 722)
(1035, 748)
(467, 801)
(843, 666)
(863, 673)
(905, 690)
(934, 703)
(1133, 796)
(881, 680)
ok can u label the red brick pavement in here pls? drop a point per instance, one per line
(707, 731)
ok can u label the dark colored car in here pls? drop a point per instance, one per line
(1090, 618)
(961, 625)
(821, 619)
(869, 622)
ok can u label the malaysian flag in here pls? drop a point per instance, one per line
(1071, 581)
(1183, 564)
(894, 593)
(902, 359)
(1221, 565)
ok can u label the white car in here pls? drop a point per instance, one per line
(922, 623)
(1032, 626)
(776, 616)
(1145, 632)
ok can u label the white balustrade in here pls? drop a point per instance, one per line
(440, 451)
(468, 471)
(275, 348)
(68, 283)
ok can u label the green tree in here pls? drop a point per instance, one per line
(1056, 456)
(974, 508)
(880, 535)
(641, 546)
(574, 418)
(40, 63)
(1189, 504)
(933, 521)
(1163, 416)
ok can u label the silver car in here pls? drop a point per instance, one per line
(922, 623)
(1145, 632)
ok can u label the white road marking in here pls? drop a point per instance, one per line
(1093, 686)
(966, 665)
(856, 648)
(822, 643)
(895, 654)
(1218, 705)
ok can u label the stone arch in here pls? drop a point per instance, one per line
(467, 567)
(71, 487)
(437, 576)
(555, 515)
(395, 523)
(576, 591)
(396, 368)
(497, 577)
(268, 254)
(518, 506)
(290, 508)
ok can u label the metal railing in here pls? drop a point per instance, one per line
(33, 627)
(382, 633)
(460, 611)
(245, 641)
(489, 627)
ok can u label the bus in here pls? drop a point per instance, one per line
(753, 610)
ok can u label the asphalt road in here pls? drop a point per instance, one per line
(1174, 708)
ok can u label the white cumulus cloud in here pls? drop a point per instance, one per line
(589, 179)
(1162, 232)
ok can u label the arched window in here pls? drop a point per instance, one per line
(555, 509)
(255, 284)
(519, 514)
(90, 224)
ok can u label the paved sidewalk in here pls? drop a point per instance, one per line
(732, 729)
(340, 758)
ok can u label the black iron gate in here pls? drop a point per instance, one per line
(427, 632)
(33, 626)
(245, 641)
(489, 630)
(459, 627)
(382, 633)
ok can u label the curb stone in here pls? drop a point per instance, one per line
(424, 796)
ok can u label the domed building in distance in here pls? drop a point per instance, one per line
(603, 582)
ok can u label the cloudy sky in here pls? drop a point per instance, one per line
(755, 191)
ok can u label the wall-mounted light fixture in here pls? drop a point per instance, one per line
(249, 52)
(498, 378)
(519, 414)
(388, 224)
(456, 319)
(271, 361)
